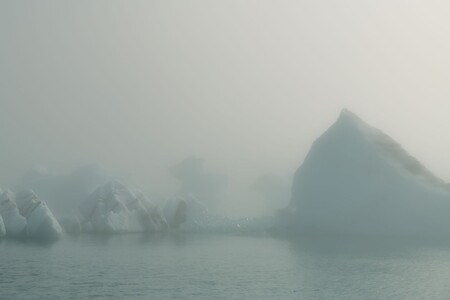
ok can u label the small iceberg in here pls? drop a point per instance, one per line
(25, 215)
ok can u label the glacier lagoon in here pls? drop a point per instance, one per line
(190, 266)
(355, 181)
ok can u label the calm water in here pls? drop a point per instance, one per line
(224, 267)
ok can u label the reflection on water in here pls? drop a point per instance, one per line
(225, 267)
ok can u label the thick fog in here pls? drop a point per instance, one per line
(242, 88)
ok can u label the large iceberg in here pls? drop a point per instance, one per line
(357, 180)
(25, 215)
(113, 208)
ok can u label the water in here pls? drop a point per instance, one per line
(224, 267)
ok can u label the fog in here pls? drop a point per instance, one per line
(247, 86)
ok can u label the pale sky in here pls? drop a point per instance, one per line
(248, 85)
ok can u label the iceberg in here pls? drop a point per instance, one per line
(25, 215)
(113, 208)
(15, 223)
(40, 220)
(357, 180)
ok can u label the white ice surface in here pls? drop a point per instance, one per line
(40, 220)
(25, 215)
(15, 223)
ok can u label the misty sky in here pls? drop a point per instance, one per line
(137, 86)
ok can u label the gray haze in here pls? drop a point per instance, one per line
(138, 86)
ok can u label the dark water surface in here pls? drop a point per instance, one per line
(224, 267)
